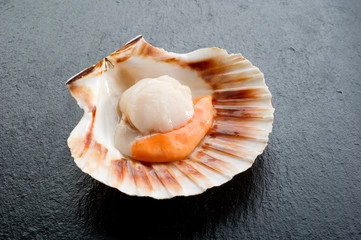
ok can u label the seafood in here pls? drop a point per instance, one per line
(157, 104)
(109, 144)
(159, 123)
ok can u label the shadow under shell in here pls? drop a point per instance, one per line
(107, 210)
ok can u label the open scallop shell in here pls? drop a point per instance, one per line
(242, 120)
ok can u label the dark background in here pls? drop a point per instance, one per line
(306, 185)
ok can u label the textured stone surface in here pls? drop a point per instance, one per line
(306, 185)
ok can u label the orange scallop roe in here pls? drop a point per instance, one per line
(178, 143)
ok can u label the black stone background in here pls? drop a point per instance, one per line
(306, 185)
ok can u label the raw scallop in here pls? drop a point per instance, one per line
(243, 117)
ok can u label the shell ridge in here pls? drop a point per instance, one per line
(154, 174)
(173, 185)
(192, 179)
(141, 180)
(216, 176)
(117, 167)
(132, 178)
(219, 151)
(202, 162)
(228, 148)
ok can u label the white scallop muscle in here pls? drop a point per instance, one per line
(157, 104)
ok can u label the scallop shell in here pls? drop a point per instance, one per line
(243, 117)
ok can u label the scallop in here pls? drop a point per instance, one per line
(157, 104)
(242, 119)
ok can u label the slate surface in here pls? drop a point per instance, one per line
(306, 185)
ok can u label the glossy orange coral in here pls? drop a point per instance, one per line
(176, 144)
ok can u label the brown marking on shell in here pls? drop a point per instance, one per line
(99, 64)
(89, 135)
(173, 60)
(127, 46)
(241, 76)
(94, 70)
(241, 112)
(234, 130)
(95, 156)
(223, 68)
(249, 93)
(141, 178)
(213, 70)
(82, 92)
(133, 41)
(108, 64)
(257, 144)
(122, 54)
(100, 151)
(243, 82)
(262, 101)
(122, 50)
(151, 51)
(224, 131)
(203, 64)
(159, 55)
(260, 123)
(81, 74)
(119, 168)
(188, 170)
(140, 49)
(123, 58)
(167, 178)
(147, 50)
(153, 177)
(212, 163)
(223, 81)
(229, 149)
